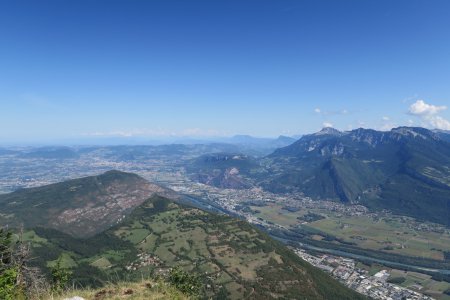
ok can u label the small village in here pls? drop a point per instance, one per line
(144, 260)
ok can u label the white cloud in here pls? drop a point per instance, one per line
(420, 108)
(439, 123)
(428, 114)
(327, 124)
(385, 118)
(331, 112)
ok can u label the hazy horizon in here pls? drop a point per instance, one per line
(152, 141)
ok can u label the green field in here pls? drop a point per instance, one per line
(391, 234)
(423, 283)
(66, 260)
(275, 213)
(386, 234)
(102, 263)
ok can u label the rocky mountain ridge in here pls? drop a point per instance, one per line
(406, 170)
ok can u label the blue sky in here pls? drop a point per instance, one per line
(74, 69)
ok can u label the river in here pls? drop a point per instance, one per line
(362, 257)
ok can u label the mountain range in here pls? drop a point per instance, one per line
(405, 170)
(248, 144)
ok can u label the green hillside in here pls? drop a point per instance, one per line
(231, 257)
(81, 207)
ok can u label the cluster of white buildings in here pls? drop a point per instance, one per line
(376, 286)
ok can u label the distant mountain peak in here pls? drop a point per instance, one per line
(329, 131)
(242, 136)
(286, 140)
(281, 137)
(415, 132)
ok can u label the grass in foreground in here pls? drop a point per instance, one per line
(145, 289)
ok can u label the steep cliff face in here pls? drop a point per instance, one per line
(224, 170)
